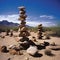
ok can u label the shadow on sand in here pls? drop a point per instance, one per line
(38, 55)
(51, 55)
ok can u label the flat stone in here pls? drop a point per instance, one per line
(32, 50)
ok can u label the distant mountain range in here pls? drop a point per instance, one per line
(4, 25)
(9, 24)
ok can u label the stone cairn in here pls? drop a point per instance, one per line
(11, 33)
(7, 32)
(40, 31)
(23, 29)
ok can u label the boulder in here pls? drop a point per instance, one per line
(17, 47)
(32, 50)
(48, 52)
(3, 49)
(24, 44)
(12, 51)
(53, 44)
(22, 12)
(22, 8)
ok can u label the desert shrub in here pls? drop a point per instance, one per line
(8, 28)
(33, 29)
(55, 31)
(4, 28)
(15, 28)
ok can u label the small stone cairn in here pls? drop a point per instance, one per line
(7, 32)
(11, 32)
(40, 31)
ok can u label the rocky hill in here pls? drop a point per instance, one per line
(9, 24)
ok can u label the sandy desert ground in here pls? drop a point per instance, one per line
(12, 40)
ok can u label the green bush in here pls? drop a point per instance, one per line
(6, 28)
(55, 30)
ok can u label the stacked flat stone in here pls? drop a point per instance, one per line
(11, 32)
(22, 18)
(40, 31)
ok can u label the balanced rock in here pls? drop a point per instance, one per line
(22, 18)
(22, 12)
(23, 28)
(21, 8)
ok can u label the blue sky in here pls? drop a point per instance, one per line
(46, 12)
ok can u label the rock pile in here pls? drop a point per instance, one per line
(23, 29)
(11, 32)
(22, 18)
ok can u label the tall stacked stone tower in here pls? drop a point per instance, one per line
(22, 17)
(40, 31)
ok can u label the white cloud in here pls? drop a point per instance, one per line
(10, 18)
(34, 23)
(14, 18)
(30, 23)
(47, 16)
